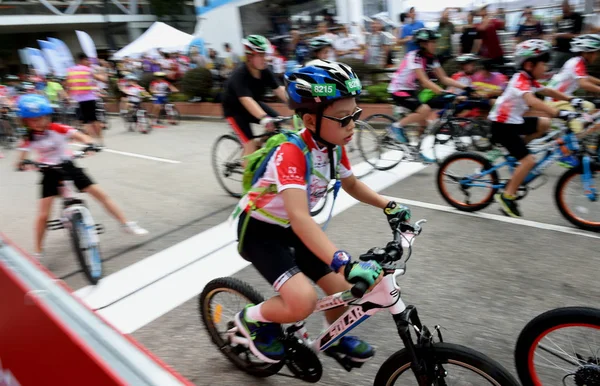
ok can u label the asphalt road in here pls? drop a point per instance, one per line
(480, 277)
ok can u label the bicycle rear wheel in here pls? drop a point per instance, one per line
(376, 144)
(217, 324)
(228, 169)
(87, 254)
(472, 367)
(576, 361)
(173, 116)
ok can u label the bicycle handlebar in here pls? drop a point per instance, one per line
(392, 252)
(77, 154)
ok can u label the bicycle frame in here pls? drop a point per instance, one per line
(554, 152)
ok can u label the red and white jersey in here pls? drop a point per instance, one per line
(160, 87)
(511, 105)
(566, 81)
(134, 92)
(51, 144)
(287, 169)
(405, 77)
(462, 78)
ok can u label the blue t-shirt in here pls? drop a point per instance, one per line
(302, 52)
(409, 30)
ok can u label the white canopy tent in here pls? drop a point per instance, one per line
(159, 36)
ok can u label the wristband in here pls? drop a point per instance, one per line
(340, 259)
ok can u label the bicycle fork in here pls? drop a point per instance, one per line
(588, 180)
(423, 364)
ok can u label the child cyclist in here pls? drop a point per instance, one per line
(419, 70)
(321, 48)
(281, 219)
(50, 141)
(160, 88)
(508, 124)
(573, 75)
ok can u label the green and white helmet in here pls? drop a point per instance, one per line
(537, 50)
(256, 43)
(467, 58)
(586, 43)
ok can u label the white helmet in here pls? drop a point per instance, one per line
(585, 43)
(533, 49)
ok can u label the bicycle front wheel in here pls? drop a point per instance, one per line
(88, 254)
(575, 202)
(455, 364)
(571, 355)
(227, 155)
(218, 303)
(376, 143)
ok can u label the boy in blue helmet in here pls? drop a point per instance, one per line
(50, 141)
(323, 94)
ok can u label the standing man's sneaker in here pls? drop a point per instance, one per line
(263, 338)
(354, 348)
(508, 205)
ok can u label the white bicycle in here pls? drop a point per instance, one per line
(77, 219)
(421, 359)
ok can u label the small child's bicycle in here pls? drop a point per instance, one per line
(77, 220)
(422, 361)
(478, 183)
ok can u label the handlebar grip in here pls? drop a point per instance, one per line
(359, 289)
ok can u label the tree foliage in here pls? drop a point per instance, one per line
(163, 8)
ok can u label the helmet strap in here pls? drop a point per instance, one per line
(330, 146)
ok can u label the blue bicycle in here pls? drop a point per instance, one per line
(576, 193)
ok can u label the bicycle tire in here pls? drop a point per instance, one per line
(365, 125)
(230, 284)
(91, 277)
(466, 207)
(217, 168)
(470, 359)
(538, 327)
(176, 117)
(563, 208)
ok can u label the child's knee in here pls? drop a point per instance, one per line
(302, 304)
(544, 124)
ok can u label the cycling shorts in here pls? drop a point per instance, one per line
(160, 100)
(51, 179)
(277, 253)
(409, 99)
(242, 120)
(87, 111)
(509, 136)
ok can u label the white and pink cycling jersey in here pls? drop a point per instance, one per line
(134, 93)
(51, 144)
(287, 169)
(566, 81)
(405, 77)
(511, 105)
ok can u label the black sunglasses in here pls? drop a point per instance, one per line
(345, 121)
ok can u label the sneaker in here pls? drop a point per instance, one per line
(354, 348)
(509, 207)
(426, 159)
(398, 133)
(133, 228)
(263, 338)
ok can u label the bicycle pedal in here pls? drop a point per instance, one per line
(346, 362)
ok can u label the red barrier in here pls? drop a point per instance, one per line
(38, 348)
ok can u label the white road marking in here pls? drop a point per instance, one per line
(159, 159)
(496, 217)
(175, 275)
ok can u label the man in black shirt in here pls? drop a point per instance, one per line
(567, 27)
(245, 89)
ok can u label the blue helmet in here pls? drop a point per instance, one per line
(319, 83)
(34, 106)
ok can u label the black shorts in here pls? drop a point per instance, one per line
(51, 179)
(277, 253)
(241, 122)
(509, 136)
(411, 101)
(87, 111)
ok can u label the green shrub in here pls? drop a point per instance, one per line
(197, 82)
(376, 93)
(365, 72)
(178, 97)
